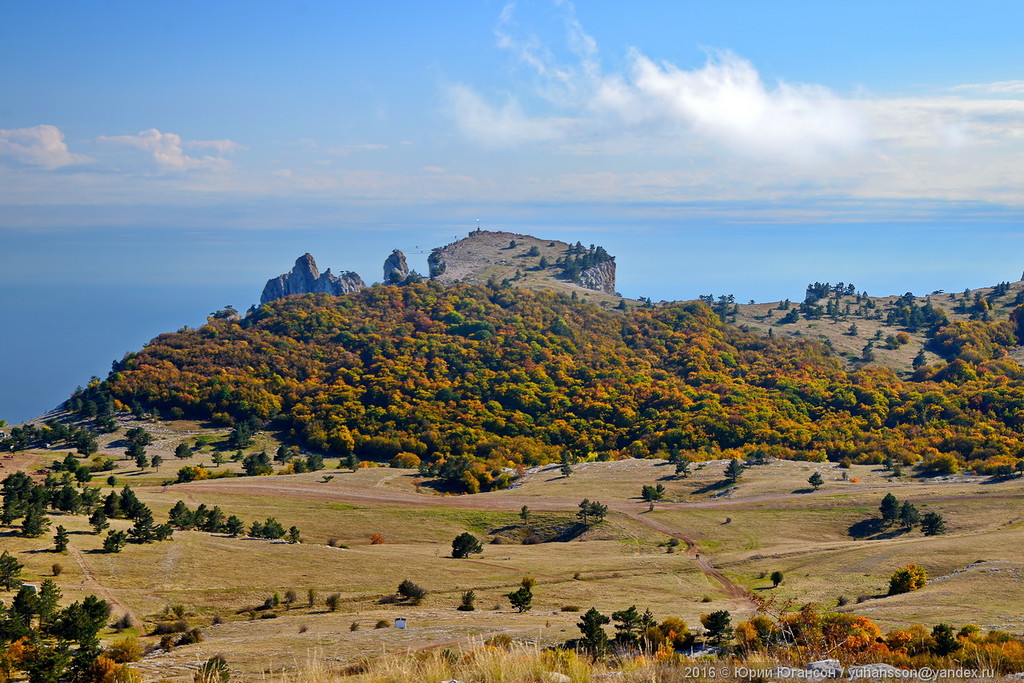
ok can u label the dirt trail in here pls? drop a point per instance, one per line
(91, 583)
(744, 600)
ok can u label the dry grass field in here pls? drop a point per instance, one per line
(771, 520)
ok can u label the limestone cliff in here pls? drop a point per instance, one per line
(396, 270)
(305, 278)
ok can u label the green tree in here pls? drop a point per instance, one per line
(946, 642)
(465, 544)
(652, 494)
(566, 469)
(816, 480)
(718, 625)
(733, 471)
(10, 571)
(591, 626)
(293, 535)
(524, 514)
(35, 523)
(909, 515)
(628, 626)
(889, 508)
(60, 539)
(683, 468)
(932, 524)
(183, 451)
(776, 578)
(98, 520)
(115, 541)
(521, 598)
(234, 526)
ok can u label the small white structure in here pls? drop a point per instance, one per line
(31, 586)
(399, 622)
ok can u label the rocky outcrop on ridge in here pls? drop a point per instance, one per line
(396, 270)
(305, 278)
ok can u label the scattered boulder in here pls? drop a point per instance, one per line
(825, 668)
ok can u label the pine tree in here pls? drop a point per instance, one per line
(733, 471)
(60, 539)
(35, 523)
(815, 480)
(10, 571)
(890, 508)
(594, 640)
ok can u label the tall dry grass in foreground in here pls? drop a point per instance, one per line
(483, 664)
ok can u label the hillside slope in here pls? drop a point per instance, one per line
(512, 377)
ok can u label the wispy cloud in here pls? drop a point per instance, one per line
(731, 133)
(724, 102)
(41, 146)
(167, 150)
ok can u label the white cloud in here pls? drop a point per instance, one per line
(721, 130)
(41, 145)
(501, 125)
(995, 88)
(656, 106)
(167, 150)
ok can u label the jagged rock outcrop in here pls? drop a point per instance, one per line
(305, 278)
(395, 268)
(600, 277)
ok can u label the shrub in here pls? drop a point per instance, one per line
(382, 623)
(468, 599)
(125, 650)
(908, 578)
(125, 622)
(354, 626)
(412, 592)
(166, 627)
(376, 539)
(57, 568)
(213, 670)
(570, 608)
(191, 637)
(332, 602)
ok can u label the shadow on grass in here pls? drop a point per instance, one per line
(717, 486)
(874, 528)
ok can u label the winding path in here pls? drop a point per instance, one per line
(92, 583)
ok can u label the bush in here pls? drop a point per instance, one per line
(191, 637)
(376, 539)
(382, 623)
(166, 627)
(468, 600)
(213, 670)
(125, 650)
(908, 578)
(332, 602)
(57, 568)
(411, 591)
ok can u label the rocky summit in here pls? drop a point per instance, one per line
(395, 268)
(305, 278)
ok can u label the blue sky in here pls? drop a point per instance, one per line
(187, 151)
